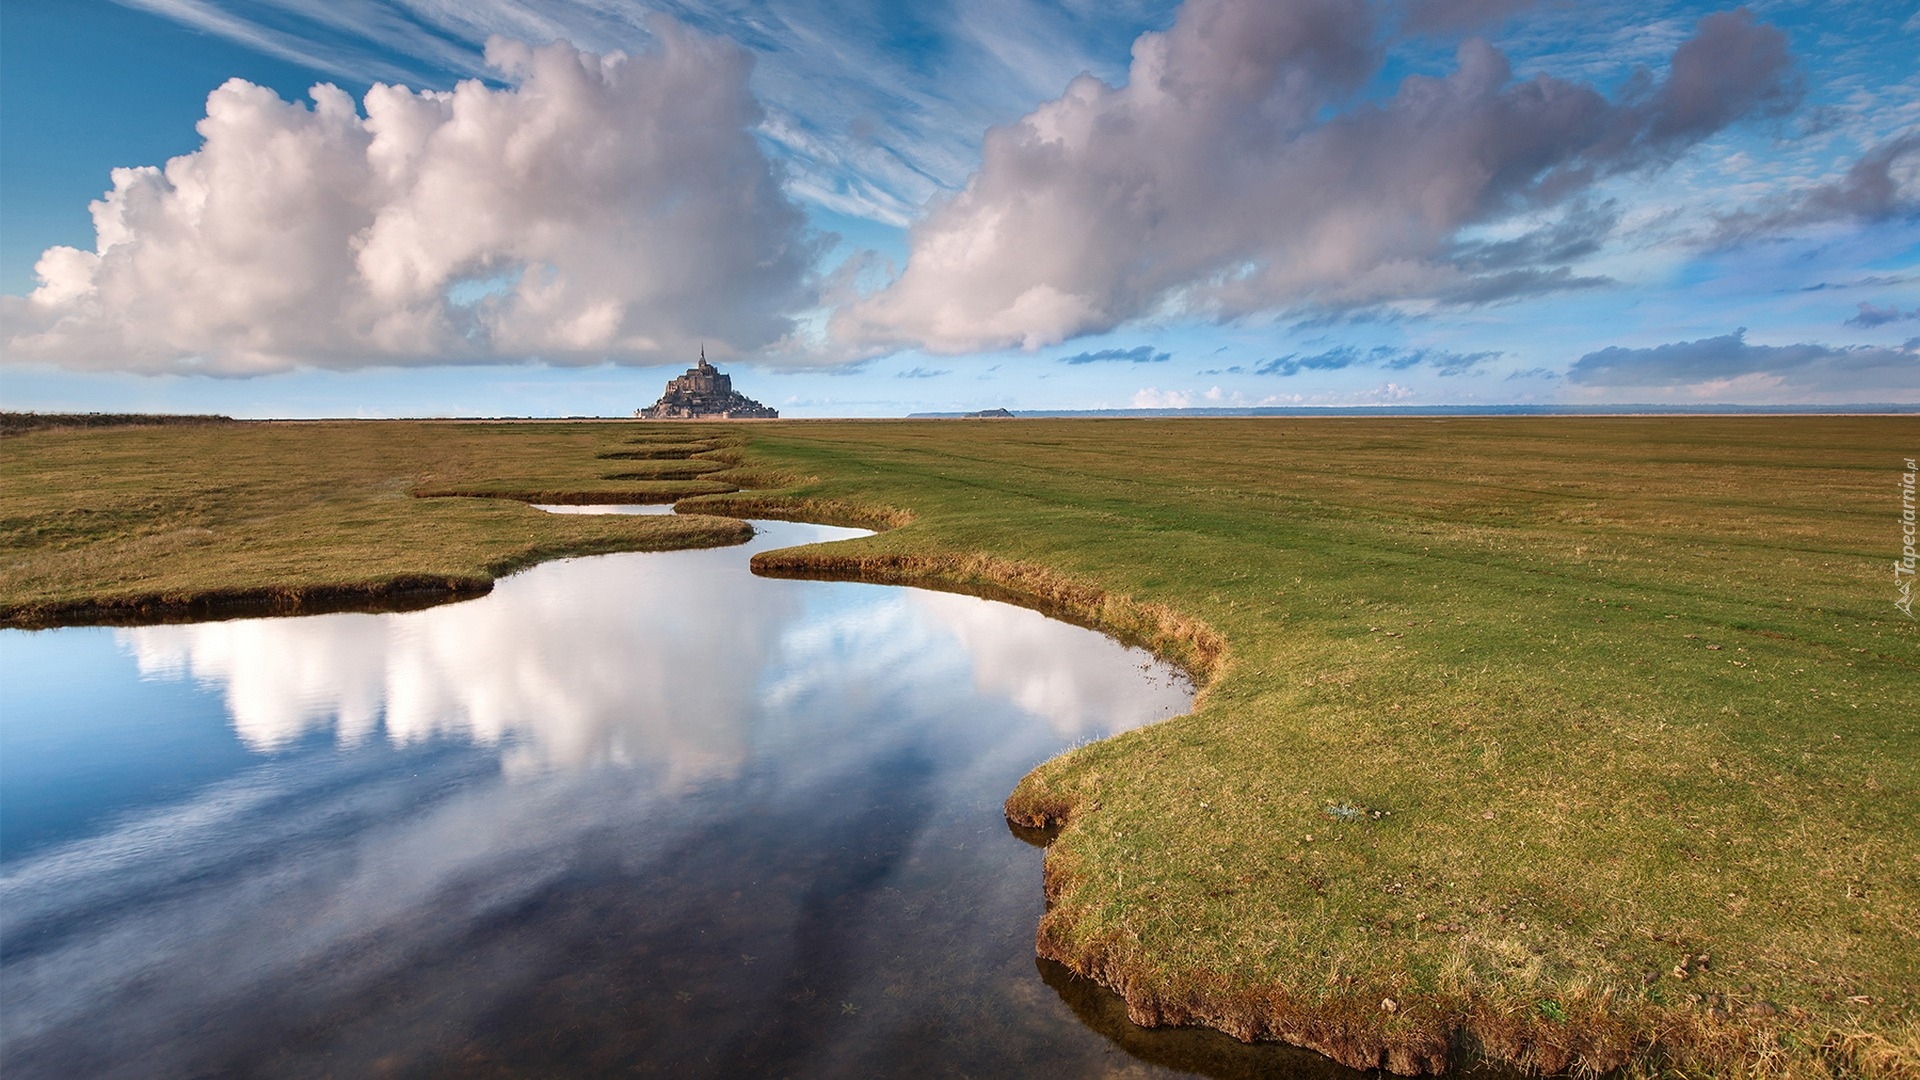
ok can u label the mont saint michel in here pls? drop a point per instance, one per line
(705, 393)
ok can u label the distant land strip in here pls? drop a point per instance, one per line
(19, 423)
(1880, 409)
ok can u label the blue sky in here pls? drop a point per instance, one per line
(529, 207)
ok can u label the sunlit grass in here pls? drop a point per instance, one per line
(110, 523)
(1594, 737)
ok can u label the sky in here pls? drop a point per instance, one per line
(866, 208)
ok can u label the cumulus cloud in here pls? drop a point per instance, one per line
(1139, 354)
(593, 208)
(1233, 173)
(1730, 68)
(1729, 358)
(862, 126)
(1390, 357)
(1152, 397)
(1386, 394)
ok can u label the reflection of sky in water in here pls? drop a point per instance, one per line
(755, 823)
(607, 508)
(563, 667)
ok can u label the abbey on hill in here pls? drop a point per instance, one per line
(705, 393)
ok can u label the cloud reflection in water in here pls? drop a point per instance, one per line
(608, 780)
(561, 670)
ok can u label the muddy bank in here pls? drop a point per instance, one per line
(406, 592)
(1187, 643)
(1379, 1027)
(664, 490)
(1357, 1026)
(397, 594)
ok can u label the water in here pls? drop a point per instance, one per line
(632, 814)
(607, 508)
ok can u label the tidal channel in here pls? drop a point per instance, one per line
(631, 814)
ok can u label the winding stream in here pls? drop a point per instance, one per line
(630, 814)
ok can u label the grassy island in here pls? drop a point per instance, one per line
(132, 523)
(1576, 743)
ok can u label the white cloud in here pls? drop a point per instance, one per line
(597, 207)
(866, 124)
(599, 682)
(1385, 394)
(1039, 664)
(1234, 172)
(677, 668)
(585, 662)
(1152, 397)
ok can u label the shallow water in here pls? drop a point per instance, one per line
(636, 814)
(606, 508)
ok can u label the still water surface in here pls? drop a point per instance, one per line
(632, 814)
(607, 508)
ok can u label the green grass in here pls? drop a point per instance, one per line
(158, 521)
(1507, 722)
(1607, 695)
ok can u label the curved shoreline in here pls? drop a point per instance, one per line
(1202, 653)
(1198, 650)
(1342, 1022)
(406, 592)
(1188, 644)
(710, 466)
(1352, 1026)
(146, 609)
(1193, 647)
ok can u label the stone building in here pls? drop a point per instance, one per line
(705, 393)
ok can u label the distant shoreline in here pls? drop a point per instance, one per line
(1876, 409)
(20, 423)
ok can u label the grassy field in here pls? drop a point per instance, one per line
(1593, 741)
(1577, 742)
(111, 524)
